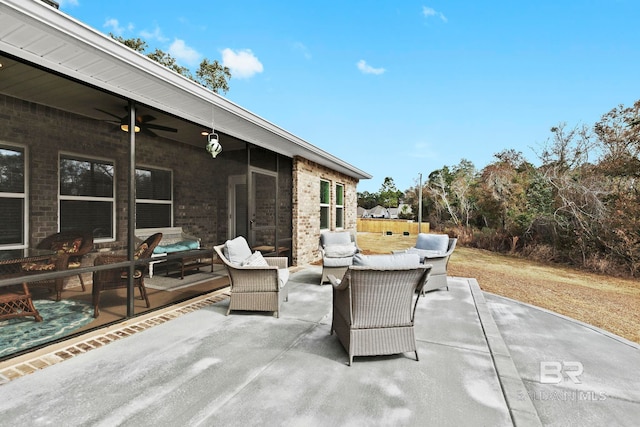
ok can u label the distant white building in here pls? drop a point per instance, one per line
(377, 212)
(382, 212)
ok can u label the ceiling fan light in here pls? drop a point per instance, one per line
(125, 128)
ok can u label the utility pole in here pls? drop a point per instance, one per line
(420, 203)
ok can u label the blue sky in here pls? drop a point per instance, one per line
(399, 88)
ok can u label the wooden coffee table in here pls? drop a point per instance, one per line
(190, 260)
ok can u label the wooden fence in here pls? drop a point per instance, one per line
(393, 226)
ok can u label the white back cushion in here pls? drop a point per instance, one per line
(403, 260)
(237, 250)
(335, 238)
(433, 242)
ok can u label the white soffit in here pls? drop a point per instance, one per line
(35, 32)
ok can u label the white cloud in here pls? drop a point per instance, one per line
(114, 26)
(429, 12)
(368, 69)
(156, 34)
(241, 63)
(299, 47)
(184, 53)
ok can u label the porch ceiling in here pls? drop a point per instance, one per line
(52, 59)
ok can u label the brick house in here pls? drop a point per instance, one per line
(65, 90)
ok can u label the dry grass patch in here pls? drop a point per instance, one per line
(607, 302)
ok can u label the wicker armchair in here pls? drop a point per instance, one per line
(374, 309)
(118, 278)
(434, 249)
(255, 287)
(70, 247)
(337, 249)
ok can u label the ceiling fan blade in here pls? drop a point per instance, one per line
(110, 114)
(145, 130)
(159, 127)
(141, 121)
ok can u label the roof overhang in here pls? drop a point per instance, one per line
(88, 62)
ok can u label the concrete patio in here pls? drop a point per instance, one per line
(480, 364)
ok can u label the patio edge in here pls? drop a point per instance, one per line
(521, 408)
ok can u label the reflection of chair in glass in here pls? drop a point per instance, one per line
(69, 248)
(336, 249)
(118, 278)
(374, 308)
(257, 283)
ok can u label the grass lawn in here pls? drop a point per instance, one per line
(609, 303)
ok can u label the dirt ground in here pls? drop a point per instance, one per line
(606, 302)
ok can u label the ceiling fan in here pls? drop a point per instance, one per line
(142, 123)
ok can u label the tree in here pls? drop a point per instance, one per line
(438, 189)
(618, 137)
(211, 75)
(389, 195)
(367, 200)
(412, 198)
(578, 190)
(464, 180)
(504, 184)
(452, 193)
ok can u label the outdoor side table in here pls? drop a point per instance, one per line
(15, 300)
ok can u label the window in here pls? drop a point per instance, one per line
(339, 206)
(325, 202)
(154, 199)
(87, 196)
(12, 196)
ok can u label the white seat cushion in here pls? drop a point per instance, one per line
(425, 253)
(337, 262)
(340, 251)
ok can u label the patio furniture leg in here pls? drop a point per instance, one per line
(143, 293)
